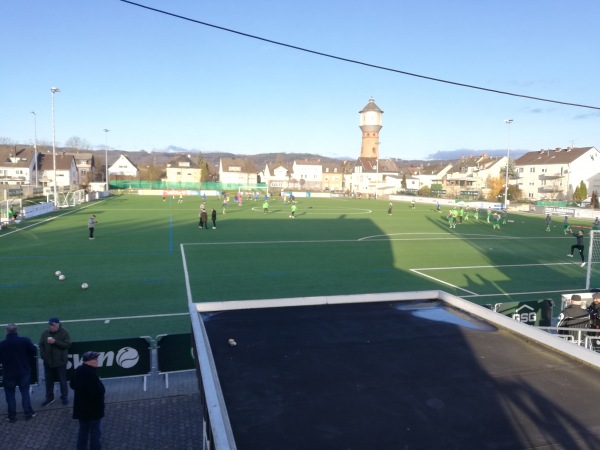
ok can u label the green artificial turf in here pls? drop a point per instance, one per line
(145, 250)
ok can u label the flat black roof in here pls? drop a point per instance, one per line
(396, 375)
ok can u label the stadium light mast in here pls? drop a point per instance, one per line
(54, 91)
(35, 146)
(507, 122)
(106, 130)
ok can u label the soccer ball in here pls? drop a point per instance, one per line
(58, 273)
(84, 286)
(61, 277)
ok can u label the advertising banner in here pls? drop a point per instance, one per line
(118, 357)
(537, 312)
(175, 352)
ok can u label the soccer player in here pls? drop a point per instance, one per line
(579, 246)
(504, 216)
(390, 208)
(566, 225)
(548, 222)
(496, 221)
(293, 213)
(450, 218)
(489, 214)
(266, 206)
(412, 203)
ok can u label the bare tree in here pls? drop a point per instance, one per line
(6, 140)
(78, 143)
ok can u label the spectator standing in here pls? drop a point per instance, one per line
(88, 405)
(596, 224)
(213, 216)
(17, 355)
(92, 224)
(54, 345)
(594, 312)
(574, 316)
(203, 219)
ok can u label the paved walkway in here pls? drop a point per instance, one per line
(158, 418)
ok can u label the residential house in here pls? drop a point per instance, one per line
(332, 176)
(432, 175)
(182, 169)
(276, 177)
(67, 176)
(373, 175)
(468, 176)
(85, 166)
(554, 174)
(238, 171)
(124, 168)
(17, 165)
(307, 175)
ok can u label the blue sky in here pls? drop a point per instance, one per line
(157, 81)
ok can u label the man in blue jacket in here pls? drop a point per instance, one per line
(17, 355)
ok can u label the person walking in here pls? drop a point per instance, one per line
(88, 404)
(579, 246)
(265, 207)
(17, 356)
(548, 222)
(54, 345)
(91, 225)
(213, 216)
(390, 208)
(293, 212)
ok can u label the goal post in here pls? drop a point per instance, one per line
(592, 279)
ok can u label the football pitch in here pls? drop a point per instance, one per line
(150, 259)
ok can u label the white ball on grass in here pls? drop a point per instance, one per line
(84, 286)
(61, 277)
(58, 273)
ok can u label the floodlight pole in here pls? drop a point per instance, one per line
(35, 146)
(507, 122)
(106, 155)
(54, 91)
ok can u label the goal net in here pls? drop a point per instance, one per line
(592, 280)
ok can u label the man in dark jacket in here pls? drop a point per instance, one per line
(17, 356)
(55, 343)
(88, 405)
(574, 316)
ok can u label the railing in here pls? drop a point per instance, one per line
(584, 337)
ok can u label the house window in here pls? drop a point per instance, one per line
(532, 170)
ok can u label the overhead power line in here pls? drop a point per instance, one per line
(362, 63)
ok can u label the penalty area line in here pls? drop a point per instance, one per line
(442, 282)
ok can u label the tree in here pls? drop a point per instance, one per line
(583, 190)
(6, 141)
(77, 143)
(577, 194)
(496, 188)
(594, 202)
(403, 184)
(425, 191)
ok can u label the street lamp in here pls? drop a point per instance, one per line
(106, 155)
(54, 91)
(507, 122)
(35, 146)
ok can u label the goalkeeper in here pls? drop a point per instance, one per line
(579, 246)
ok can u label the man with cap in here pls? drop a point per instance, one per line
(574, 316)
(88, 405)
(55, 343)
(17, 356)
